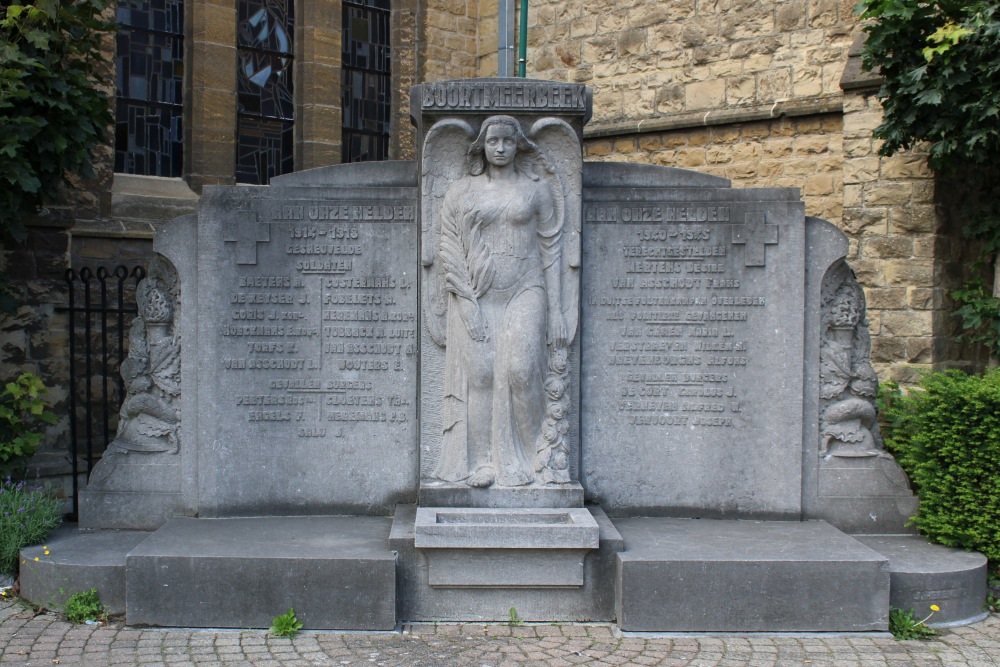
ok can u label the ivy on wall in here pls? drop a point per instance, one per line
(940, 64)
(53, 108)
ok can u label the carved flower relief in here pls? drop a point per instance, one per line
(154, 304)
(845, 311)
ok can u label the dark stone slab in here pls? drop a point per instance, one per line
(78, 561)
(336, 572)
(922, 574)
(682, 575)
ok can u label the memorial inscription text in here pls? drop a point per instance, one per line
(675, 307)
(321, 330)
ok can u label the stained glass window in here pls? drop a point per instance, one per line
(148, 85)
(365, 80)
(265, 109)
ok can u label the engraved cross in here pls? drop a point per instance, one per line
(754, 235)
(247, 234)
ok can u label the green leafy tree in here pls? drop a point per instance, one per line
(940, 63)
(53, 110)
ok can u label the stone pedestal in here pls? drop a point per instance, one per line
(474, 564)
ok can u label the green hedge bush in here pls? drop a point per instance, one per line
(946, 435)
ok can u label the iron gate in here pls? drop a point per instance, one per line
(100, 310)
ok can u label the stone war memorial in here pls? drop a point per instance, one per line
(501, 378)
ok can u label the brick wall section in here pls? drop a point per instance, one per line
(644, 59)
(209, 93)
(405, 56)
(450, 34)
(318, 114)
(803, 153)
(890, 214)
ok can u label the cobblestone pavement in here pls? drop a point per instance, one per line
(47, 639)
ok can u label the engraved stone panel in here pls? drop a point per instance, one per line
(692, 348)
(308, 349)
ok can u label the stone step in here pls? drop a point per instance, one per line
(78, 561)
(688, 575)
(336, 572)
(922, 574)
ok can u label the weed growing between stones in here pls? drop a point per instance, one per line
(27, 515)
(903, 625)
(515, 620)
(285, 625)
(84, 606)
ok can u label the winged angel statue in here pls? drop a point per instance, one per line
(501, 258)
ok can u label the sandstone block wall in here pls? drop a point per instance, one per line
(646, 59)
(804, 152)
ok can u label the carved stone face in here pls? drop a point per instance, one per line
(501, 145)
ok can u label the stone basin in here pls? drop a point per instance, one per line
(505, 528)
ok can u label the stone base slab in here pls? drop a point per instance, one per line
(336, 572)
(690, 575)
(78, 561)
(922, 574)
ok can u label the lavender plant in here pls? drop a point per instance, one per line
(27, 515)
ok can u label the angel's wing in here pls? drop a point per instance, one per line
(443, 162)
(562, 150)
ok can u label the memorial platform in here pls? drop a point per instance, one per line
(649, 574)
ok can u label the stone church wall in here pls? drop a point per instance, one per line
(747, 90)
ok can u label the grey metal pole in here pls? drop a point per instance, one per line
(505, 37)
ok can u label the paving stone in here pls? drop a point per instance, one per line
(976, 645)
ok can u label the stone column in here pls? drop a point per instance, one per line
(210, 93)
(405, 54)
(318, 114)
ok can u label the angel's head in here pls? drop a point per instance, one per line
(501, 142)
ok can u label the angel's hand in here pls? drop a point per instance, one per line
(557, 330)
(475, 323)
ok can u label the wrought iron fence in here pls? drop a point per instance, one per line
(100, 309)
